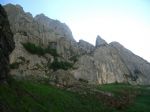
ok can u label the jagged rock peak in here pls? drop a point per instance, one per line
(114, 43)
(13, 7)
(16, 10)
(100, 41)
(86, 46)
(84, 42)
(118, 46)
(41, 17)
(61, 28)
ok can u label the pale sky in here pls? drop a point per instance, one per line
(125, 21)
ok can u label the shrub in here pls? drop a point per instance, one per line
(83, 80)
(22, 58)
(14, 65)
(33, 49)
(36, 49)
(51, 51)
(74, 58)
(55, 65)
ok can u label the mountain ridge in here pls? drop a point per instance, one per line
(99, 64)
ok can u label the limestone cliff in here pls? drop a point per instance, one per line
(40, 31)
(103, 66)
(100, 42)
(61, 29)
(45, 46)
(138, 67)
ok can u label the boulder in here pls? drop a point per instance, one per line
(62, 78)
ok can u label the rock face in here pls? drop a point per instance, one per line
(6, 45)
(113, 63)
(63, 78)
(41, 31)
(138, 67)
(100, 41)
(104, 66)
(61, 29)
(64, 60)
(85, 47)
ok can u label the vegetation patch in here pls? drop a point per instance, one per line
(74, 58)
(83, 80)
(36, 49)
(27, 96)
(56, 65)
(22, 58)
(14, 65)
(33, 49)
(51, 51)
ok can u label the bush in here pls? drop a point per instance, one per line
(74, 58)
(51, 51)
(55, 65)
(14, 65)
(83, 80)
(22, 58)
(35, 49)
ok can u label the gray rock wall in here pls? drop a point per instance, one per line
(104, 66)
(99, 64)
(138, 67)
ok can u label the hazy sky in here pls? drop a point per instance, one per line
(125, 21)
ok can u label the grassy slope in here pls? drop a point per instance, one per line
(141, 102)
(33, 97)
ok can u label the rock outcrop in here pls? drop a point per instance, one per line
(55, 49)
(41, 31)
(103, 66)
(61, 29)
(63, 78)
(100, 41)
(6, 45)
(138, 67)
(85, 47)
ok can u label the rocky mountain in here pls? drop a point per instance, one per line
(138, 67)
(103, 66)
(6, 45)
(100, 41)
(60, 29)
(45, 48)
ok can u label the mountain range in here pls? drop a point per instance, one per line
(45, 49)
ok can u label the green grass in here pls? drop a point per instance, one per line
(27, 96)
(116, 88)
(34, 97)
(141, 102)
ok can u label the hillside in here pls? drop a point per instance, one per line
(50, 72)
(25, 96)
